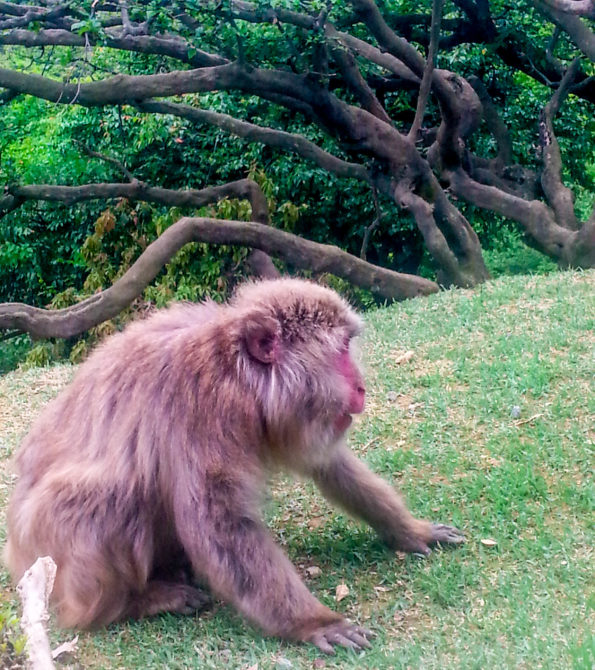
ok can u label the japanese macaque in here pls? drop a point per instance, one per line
(144, 477)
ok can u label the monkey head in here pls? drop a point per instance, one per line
(295, 356)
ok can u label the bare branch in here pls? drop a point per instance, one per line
(137, 190)
(114, 161)
(551, 47)
(171, 46)
(353, 77)
(34, 590)
(71, 321)
(294, 91)
(460, 111)
(433, 236)
(275, 138)
(559, 196)
(260, 263)
(580, 33)
(494, 122)
(32, 14)
(584, 8)
(9, 203)
(426, 82)
(370, 229)
(535, 217)
(129, 28)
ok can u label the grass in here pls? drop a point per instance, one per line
(488, 426)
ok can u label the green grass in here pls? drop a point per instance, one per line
(490, 426)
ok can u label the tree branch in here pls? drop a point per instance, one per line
(353, 78)
(114, 161)
(172, 46)
(370, 229)
(578, 30)
(459, 105)
(535, 217)
(584, 8)
(71, 321)
(260, 263)
(34, 589)
(293, 91)
(426, 82)
(496, 126)
(275, 138)
(558, 195)
(137, 190)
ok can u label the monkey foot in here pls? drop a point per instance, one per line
(344, 634)
(170, 597)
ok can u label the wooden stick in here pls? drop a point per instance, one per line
(34, 590)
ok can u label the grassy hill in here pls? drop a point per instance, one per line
(481, 410)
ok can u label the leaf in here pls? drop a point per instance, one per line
(403, 358)
(66, 648)
(313, 571)
(341, 592)
(488, 542)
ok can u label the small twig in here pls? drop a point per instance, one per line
(531, 418)
(370, 229)
(369, 443)
(549, 52)
(109, 159)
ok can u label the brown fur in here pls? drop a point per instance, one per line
(151, 464)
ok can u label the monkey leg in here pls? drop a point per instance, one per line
(348, 482)
(234, 552)
(92, 594)
(161, 596)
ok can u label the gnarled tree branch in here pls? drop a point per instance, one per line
(71, 321)
(558, 194)
(274, 138)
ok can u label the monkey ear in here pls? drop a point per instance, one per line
(262, 338)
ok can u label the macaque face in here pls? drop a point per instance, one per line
(348, 369)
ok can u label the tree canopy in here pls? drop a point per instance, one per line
(392, 130)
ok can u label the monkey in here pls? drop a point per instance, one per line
(144, 478)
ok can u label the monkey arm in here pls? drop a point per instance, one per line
(348, 482)
(236, 554)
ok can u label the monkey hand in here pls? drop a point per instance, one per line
(342, 633)
(445, 535)
(429, 535)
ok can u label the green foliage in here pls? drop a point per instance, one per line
(43, 353)
(12, 641)
(46, 248)
(13, 351)
(509, 255)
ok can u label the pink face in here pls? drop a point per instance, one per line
(357, 391)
